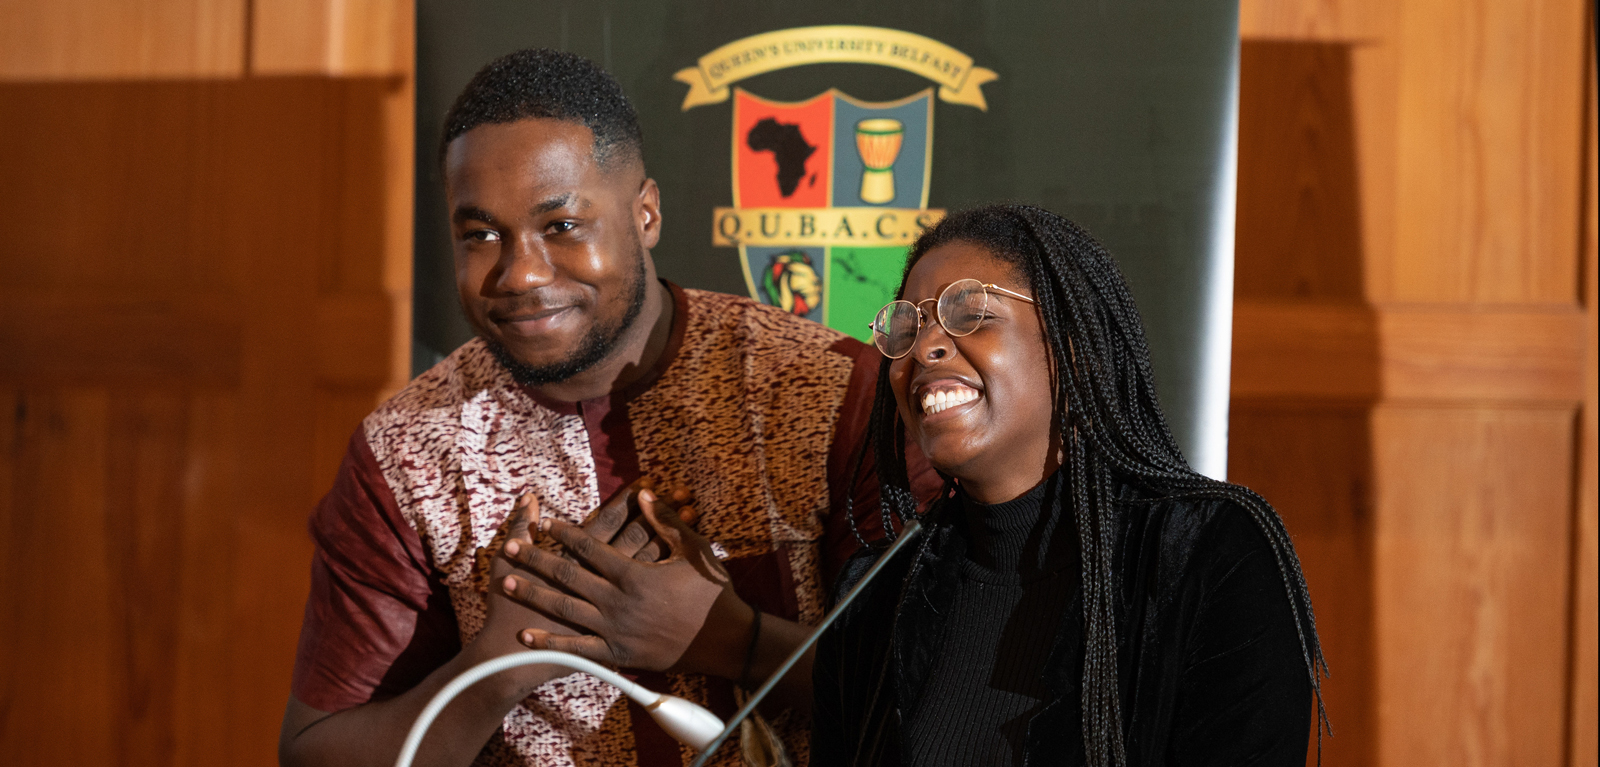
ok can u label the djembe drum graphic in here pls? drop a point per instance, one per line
(878, 142)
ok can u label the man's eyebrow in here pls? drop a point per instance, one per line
(472, 213)
(554, 203)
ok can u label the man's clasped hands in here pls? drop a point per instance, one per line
(634, 586)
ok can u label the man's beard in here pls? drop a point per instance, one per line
(594, 347)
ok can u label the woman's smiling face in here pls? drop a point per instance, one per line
(999, 436)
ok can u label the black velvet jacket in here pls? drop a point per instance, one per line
(1210, 666)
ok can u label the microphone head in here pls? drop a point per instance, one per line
(690, 724)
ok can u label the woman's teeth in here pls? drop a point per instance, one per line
(933, 402)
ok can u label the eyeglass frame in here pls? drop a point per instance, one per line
(938, 316)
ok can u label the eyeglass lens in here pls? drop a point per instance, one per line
(961, 307)
(895, 329)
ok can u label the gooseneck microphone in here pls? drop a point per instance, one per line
(689, 723)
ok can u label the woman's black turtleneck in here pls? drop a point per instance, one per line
(1019, 573)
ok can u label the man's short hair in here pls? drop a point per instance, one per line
(539, 82)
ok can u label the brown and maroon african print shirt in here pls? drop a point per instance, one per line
(758, 411)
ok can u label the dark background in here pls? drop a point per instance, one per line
(1116, 115)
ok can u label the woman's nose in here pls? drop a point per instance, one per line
(933, 344)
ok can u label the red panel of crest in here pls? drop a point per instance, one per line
(782, 153)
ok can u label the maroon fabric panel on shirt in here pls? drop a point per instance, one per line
(616, 462)
(378, 619)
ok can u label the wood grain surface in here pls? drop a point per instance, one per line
(127, 39)
(1414, 362)
(204, 287)
(1489, 136)
(347, 38)
(1585, 692)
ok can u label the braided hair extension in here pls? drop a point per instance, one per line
(1112, 429)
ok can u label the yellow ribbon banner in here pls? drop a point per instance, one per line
(779, 227)
(959, 81)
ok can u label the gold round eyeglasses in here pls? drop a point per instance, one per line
(960, 310)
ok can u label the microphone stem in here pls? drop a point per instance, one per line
(910, 531)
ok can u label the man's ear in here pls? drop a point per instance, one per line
(647, 211)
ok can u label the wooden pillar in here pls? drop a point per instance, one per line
(1414, 362)
(1585, 706)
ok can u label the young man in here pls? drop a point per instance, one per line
(588, 375)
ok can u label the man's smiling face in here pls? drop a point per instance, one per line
(551, 249)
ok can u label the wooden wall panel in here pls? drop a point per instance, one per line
(1322, 20)
(204, 285)
(61, 647)
(398, 160)
(146, 450)
(1466, 345)
(1489, 132)
(1472, 584)
(338, 411)
(135, 209)
(1416, 352)
(1487, 354)
(335, 37)
(1299, 217)
(1310, 111)
(1584, 719)
(202, 725)
(176, 39)
(1299, 351)
(11, 442)
(125, 39)
(132, 337)
(229, 256)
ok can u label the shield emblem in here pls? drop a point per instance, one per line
(828, 195)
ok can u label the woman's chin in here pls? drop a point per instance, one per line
(951, 460)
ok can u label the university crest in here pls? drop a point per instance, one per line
(829, 193)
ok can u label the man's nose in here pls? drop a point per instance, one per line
(524, 266)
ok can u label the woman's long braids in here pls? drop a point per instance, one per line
(1112, 430)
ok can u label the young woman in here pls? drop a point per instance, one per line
(1079, 594)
